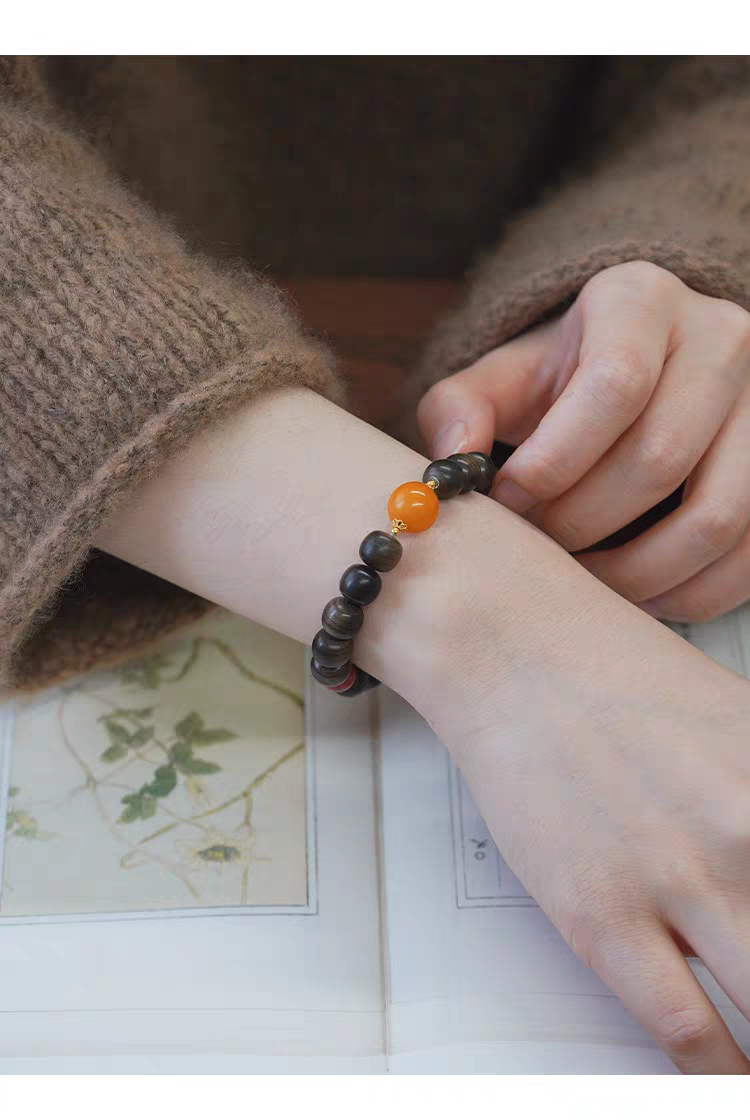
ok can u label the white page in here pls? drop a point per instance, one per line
(479, 979)
(289, 978)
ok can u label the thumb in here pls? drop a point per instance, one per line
(496, 398)
(456, 415)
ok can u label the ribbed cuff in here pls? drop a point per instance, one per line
(60, 618)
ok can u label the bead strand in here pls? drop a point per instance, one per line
(412, 508)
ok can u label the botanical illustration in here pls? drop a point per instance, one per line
(177, 781)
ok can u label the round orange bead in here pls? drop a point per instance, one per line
(416, 504)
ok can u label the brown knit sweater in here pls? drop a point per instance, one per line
(132, 189)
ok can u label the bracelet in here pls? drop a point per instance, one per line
(412, 508)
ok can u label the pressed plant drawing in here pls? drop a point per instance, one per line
(173, 789)
(20, 822)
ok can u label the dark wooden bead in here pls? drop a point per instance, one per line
(487, 469)
(451, 478)
(471, 470)
(360, 584)
(331, 652)
(363, 683)
(381, 551)
(342, 619)
(466, 474)
(330, 676)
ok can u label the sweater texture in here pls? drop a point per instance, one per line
(145, 202)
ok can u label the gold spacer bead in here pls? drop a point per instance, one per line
(433, 483)
(398, 526)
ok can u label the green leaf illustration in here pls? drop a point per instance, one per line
(20, 823)
(198, 766)
(113, 753)
(149, 806)
(117, 733)
(126, 713)
(145, 673)
(138, 806)
(211, 735)
(180, 752)
(164, 781)
(121, 738)
(189, 726)
(13, 791)
(140, 737)
(192, 728)
(130, 813)
(182, 756)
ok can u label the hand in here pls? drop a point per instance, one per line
(641, 385)
(614, 775)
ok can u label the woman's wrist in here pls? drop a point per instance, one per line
(483, 605)
(263, 512)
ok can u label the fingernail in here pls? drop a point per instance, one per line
(513, 496)
(450, 439)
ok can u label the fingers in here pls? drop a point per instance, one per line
(657, 985)
(721, 938)
(624, 337)
(719, 588)
(658, 452)
(710, 523)
(496, 398)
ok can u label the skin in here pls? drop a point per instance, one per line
(608, 756)
(642, 385)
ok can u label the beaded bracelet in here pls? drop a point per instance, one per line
(412, 507)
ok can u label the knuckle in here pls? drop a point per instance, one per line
(436, 394)
(720, 525)
(590, 925)
(662, 458)
(544, 477)
(621, 381)
(732, 321)
(681, 881)
(732, 824)
(686, 1031)
(640, 275)
(594, 285)
(436, 403)
(599, 289)
(730, 330)
(646, 273)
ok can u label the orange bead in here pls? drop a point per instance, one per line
(416, 504)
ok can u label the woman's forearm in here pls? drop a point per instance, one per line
(262, 513)
(607, 756)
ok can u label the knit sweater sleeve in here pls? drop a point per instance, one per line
(665, 178)
(115, 345)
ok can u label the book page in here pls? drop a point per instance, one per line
(479, 978)
(188, 863)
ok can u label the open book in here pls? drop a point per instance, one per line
(211, 864)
